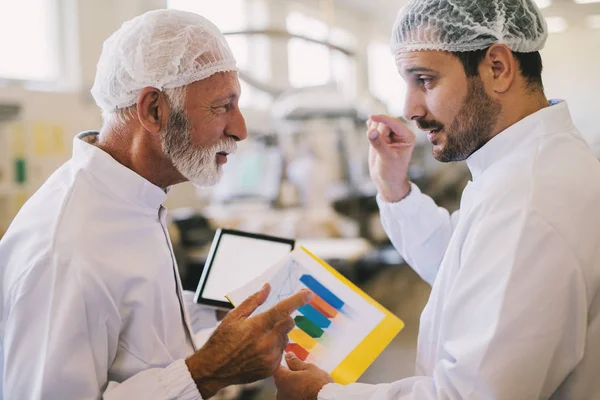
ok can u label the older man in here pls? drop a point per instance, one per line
(92, 305)
(514, 311)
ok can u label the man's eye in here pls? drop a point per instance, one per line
(223, 108)
(424, 81)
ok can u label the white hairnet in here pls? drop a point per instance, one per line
(161, 49)
(468, 25)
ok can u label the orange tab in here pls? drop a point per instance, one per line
(324, 308)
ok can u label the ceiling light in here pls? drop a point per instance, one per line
(593, 21)
(543, 3)
(586, 1)
(556, 24)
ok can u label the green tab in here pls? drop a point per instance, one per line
(308, 327)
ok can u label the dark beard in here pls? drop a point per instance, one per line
(473, 125)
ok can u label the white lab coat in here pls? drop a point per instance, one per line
(514, 311)
(92, 304)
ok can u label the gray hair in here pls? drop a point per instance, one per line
(121, 116)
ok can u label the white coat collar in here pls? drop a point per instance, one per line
(548, 120)
(119, 179)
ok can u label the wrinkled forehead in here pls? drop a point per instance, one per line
(221, 85)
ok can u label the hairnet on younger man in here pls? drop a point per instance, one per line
(468, 25)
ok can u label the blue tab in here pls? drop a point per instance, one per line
(315, 316)
(322, 291)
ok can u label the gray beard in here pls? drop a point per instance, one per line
(198, 165)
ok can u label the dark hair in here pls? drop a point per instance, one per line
(529, 63)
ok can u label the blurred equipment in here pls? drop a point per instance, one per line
(254, 173)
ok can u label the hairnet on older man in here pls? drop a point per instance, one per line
(162, 49)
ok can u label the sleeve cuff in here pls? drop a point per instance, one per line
(402, 208)
(178, 383)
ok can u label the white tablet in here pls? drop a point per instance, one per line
(235, 259)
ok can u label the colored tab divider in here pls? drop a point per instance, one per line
(302, 339)
(322, 291)
(308, 327)
(314, 319)
(321, 306)
(297, 350)
(315, 316)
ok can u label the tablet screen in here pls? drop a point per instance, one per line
(237, 259)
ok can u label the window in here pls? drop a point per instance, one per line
(318, 70)
(249, 52)
(342, 65)
(385, 82)
(325, 65)
(303, 73)
(29, 39)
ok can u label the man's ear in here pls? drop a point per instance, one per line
(151, 108)
(499, 68)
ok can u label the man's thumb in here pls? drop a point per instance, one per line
(375, 137)
(294, 363)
